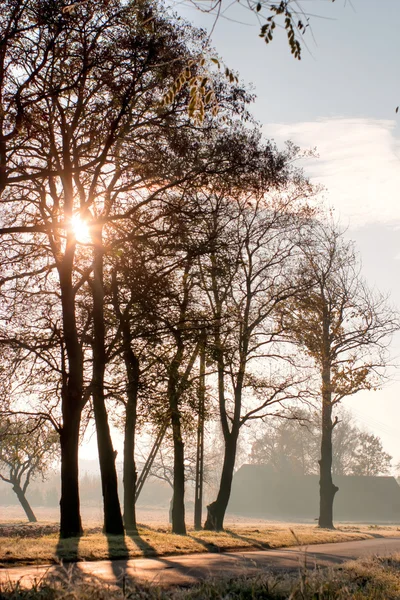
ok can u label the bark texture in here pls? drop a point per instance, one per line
(113, 523)
(130, 473)
(70, 517)
(71, 400)
(216, 510)
(327, 489)
(24, 503)
(178, 500)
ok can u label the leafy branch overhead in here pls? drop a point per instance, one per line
(295, 19)
(287, 14)
(267, 30)
(200, 85)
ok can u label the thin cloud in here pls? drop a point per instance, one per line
(358, 164)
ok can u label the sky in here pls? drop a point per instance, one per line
(339, 99)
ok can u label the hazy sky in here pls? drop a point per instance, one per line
(340, 98)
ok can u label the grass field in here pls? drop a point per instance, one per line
(39, 544)
(369, 579)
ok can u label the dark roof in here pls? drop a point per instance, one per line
(258, 490)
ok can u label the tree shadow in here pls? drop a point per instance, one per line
(312, 557)
(67, 549)
(68, 555)
(66, 574)
(209, 546)
(147, 549)
(156, 529)
(253, 542)
(117, 551)
(167, 563)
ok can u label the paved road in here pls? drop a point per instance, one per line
(179, 570)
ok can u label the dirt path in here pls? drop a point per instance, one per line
(178, 570)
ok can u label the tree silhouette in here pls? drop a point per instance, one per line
(27, 450)
(344, 328)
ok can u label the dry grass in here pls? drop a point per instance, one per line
(368, 579)
(48, 549)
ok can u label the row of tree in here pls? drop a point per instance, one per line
(146, 222)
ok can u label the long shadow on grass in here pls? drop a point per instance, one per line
(209, 546)
(249, 540)
(117, 550)
(143, 545)
(67, 549)
(187, 566)
(149, 551)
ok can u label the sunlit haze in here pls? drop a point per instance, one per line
(80, 229)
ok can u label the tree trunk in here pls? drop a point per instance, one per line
(198, 497)
(171, 503)
(130, 473)
(70, 517)
(178, 500)
(216, 510)
(112, 511)
(327, 489)
(24, 503)
(72, 403)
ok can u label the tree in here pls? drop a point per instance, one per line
(345, 438)
(132, 367)
(180, 326)
(138, 280)
(293, 445)
(288, 445)
(344, 328)
(370, 458)
(247, 274)
(27, 450)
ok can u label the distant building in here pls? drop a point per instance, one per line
(259, 491)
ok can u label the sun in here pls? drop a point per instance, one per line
(80, 229)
